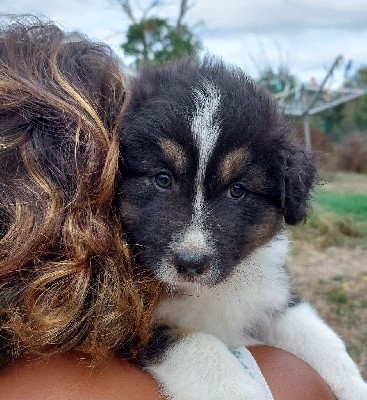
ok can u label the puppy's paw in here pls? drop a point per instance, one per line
(200, 367)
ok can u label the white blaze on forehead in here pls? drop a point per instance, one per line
(205, 131)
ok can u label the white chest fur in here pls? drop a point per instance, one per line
(259, 286)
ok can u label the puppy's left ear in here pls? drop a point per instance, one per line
(299, 176)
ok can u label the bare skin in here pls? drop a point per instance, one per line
(69, 377)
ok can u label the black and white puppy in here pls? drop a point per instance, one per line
(212, 174)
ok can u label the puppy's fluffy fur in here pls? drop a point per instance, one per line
(212, 174)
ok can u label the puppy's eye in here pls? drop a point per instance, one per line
(236, 191)
(163, 180)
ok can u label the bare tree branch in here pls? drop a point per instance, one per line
(126, 8)
(153, 4)
(184, 8)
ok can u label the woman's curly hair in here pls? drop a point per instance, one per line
(66, 277)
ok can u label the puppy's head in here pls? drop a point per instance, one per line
(210, 170)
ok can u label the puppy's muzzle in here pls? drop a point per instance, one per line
(191, 263)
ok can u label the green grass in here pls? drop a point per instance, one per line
(337, 219)
(353, 205)
(345, 308)
(326, 228)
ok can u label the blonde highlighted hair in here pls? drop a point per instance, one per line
(67, 281)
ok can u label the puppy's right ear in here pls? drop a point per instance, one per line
(299, 177)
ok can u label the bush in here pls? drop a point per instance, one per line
(352, 153)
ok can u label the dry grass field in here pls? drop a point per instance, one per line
(329, 259)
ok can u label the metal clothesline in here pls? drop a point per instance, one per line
(310, 99)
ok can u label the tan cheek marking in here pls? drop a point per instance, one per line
(262, 233)
(174, 153)
(232, 164)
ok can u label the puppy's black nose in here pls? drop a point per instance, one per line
(191, 263)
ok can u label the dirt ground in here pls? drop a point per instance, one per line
(334, 280)
(310, 264)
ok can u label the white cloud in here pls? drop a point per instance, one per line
(308, 33)
(268, 16)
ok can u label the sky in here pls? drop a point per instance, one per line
(306, 35)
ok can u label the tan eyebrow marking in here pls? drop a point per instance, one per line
(174, 153)
(232, 164)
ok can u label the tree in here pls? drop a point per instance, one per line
(360, 115)
(355, 113)
(151, 38)
(332, 122)
(277, 79)
(361, 76)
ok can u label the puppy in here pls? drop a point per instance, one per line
(212, 174)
